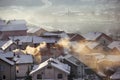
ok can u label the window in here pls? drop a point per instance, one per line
(60, 76)
(17, 71)
(4, 77)
(39, 76)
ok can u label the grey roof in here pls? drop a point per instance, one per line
(16, 27)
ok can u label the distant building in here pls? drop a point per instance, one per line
(12, 30)
(102, 38)
(36, 31)
(114, 47)
(75, 37)
(7, 69)
(51, 69)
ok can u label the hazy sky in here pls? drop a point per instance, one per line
(62, 11)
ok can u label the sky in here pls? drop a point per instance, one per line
(62, 14)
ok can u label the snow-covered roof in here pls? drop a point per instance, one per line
(55, 63)
(16, 27)
(62, 35)
(33, 39)
(92, 35)
(92, 45)
(101, 74)
(6, 60)
(7, 44)
(23, 59)
(2, 43)
(116, 75)
(22, 39)
(33, 29)
(7, 54)
(115, 44)
(16, 22)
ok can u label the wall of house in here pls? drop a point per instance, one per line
(50, 74)
(6, 34)
(21, 70)
(7, 71)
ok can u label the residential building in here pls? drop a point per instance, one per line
(7, 69)
(51, 69)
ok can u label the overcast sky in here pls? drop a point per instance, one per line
(55, 11)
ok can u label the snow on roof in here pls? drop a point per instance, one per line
(7, 54)
(33, 39)
(62, 35)
(6, 60)
(55, 63)
(7, 44)
(2, 43)
(116, 75)
(92, 35)
(22, 59)
(114, 44)
(16, 27)
(92, 45)
(101, 74)
(22, 39)
(33, 30)
(37, 39)
(16, 22)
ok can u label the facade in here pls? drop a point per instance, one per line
(7, 69)
(51, 69)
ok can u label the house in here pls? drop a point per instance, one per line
(36, 31)
(75, 37)
(79, 70)
(116, 75)
(9, 46)
(100, 37)
(51, 69)
(114, 47)
(56, 34)
(12, 30)
(7, 69)
(23, 64)
(22, 41)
